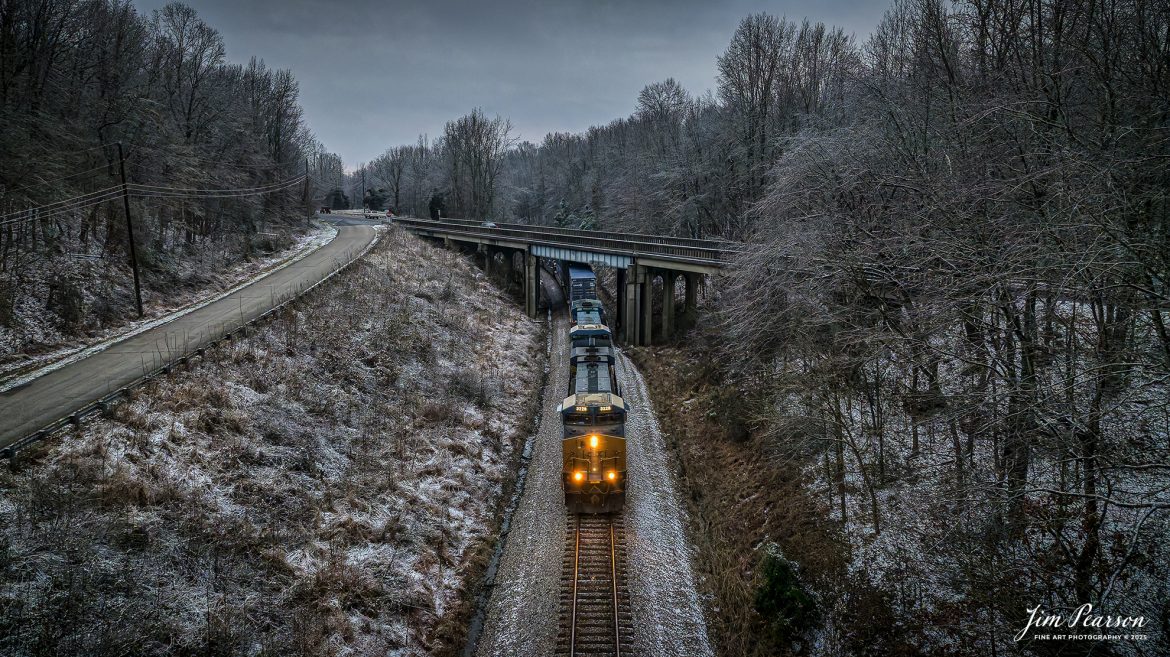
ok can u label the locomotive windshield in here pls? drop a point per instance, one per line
(582, 419)
(610, 418)
(593, 341)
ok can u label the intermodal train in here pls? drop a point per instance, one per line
(593, 441)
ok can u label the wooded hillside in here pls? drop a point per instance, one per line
(216, 152)
(953, 311)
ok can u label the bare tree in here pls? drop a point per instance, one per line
(474, 148)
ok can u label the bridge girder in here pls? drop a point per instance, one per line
(636, 271)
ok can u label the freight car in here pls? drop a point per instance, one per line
(582, 283)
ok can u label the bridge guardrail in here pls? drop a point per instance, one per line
(698, 255)
(722, 245)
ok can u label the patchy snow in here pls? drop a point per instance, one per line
(30, 368)
(668, 616)
(941, 546)
(523, 614)
(294, 494)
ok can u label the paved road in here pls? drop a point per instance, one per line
(29, 408)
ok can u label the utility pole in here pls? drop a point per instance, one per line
(130, 231)
(363, 189)
(308, 198)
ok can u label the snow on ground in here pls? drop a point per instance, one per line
(940, 547)
(524, 611)
(321, 488)
(17, 369)
(668, 616)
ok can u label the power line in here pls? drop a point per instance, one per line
(184, 156)
(218, 194)
(69, 206)
(55, 180)
(68, 201)
(35, 213)
(181, 190)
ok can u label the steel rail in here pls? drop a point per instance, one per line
(592, 613)
(576, 576)
(617, 637)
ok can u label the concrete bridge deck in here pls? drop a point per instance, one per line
(637, 259)
(553, 233)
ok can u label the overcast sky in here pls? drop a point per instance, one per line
(378, 74)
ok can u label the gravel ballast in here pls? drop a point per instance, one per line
(523, 613)
(668, 617)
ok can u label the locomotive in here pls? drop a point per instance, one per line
(593, 441)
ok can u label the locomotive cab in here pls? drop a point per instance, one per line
(586, 311)
(586, 317)
(594, 452)
(584, 332)
(590, 339)
(593, 337)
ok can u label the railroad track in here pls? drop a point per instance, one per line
(595, 601)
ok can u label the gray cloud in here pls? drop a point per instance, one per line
(377, 74)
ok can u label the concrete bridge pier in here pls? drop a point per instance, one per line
(620, 302)
(531, 284)
(637, 262)
(635, 320)
(509, 268)
(631, 297)
(646, 302)
(691, 307)
(563, 276)
(668, 303)
(488, 256)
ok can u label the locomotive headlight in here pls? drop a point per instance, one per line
(593, 442)
(578, 476)
(612, 475)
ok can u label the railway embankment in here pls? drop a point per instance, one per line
(328, 484)
(664, 591)
(522, 611)
(759, 536)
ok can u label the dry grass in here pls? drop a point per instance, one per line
(741, 497)
(326, 486)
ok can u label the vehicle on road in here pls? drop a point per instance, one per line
(489, 224)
